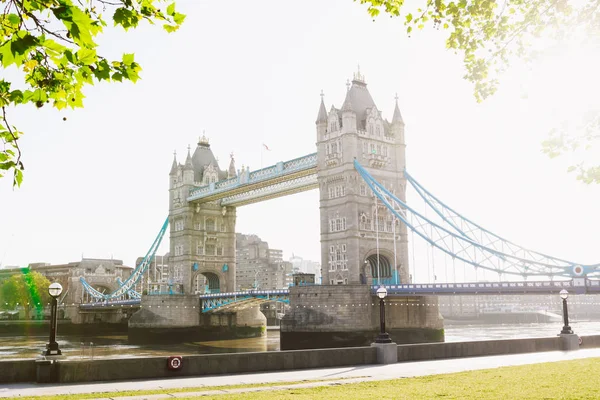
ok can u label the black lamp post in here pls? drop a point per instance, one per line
(55, 289)
(566, 330)
(383, 336)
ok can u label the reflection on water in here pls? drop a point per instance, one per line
(15, 347)
(463, 333)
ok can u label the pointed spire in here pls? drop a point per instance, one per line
(322, 117)
(231, 173)
(188, 160)
(347, 106)
(397, 118)
(174, 166)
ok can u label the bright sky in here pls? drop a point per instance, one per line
(97, 184)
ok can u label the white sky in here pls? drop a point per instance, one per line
(251, 72)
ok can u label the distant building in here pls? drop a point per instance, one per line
(306, 266)
(102, 274)
(258, 266)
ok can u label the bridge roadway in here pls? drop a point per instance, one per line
(225, 301)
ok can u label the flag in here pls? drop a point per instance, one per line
(266, 147)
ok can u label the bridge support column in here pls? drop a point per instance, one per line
(165, 319)
(244, 323)
(348, 315)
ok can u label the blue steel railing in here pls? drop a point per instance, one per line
(246, 177)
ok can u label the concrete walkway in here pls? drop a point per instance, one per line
(334, 376)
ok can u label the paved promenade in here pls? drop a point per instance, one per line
(332, 375)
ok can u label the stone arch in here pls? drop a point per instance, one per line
(386, 265)
(207, 282)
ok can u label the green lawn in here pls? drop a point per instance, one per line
(576, 379)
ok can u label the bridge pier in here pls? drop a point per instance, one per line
(179, 318)
(348, 315)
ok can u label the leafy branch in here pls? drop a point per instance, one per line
(53, 43)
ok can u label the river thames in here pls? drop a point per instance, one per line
(101, 346)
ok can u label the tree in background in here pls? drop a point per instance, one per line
(29, 289)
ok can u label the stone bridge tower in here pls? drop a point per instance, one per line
(351, 215)
(202, 236)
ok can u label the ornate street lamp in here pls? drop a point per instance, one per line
(566, 330)
(55, 289)
(383, 336)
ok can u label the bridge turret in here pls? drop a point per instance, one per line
(188, 170)
(321, 121)
(231, 172)
(348, 116)
(397, 126)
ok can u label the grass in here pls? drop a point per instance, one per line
(577, 379)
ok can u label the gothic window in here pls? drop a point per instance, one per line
(365, 147)
(331, 249)
(210, 249)
(388, 226)
(377, 132)
(199, 249)
(219, 251)
(338, 224)
(343, 191)
(363, 190)
(198, 225)
(179, 250)
(344, 223)
(337, 191)
(332, 225)
(372, 148)
(338, 255)
(378, 149)
(380, 222)
(331, 192)
(326, 150)
(210, 225)
(334, 147)
(343, 248)
(222, 227)
(385, 151)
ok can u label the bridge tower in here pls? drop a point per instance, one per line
(202, 236)
(357, 239)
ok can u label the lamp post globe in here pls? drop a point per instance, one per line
(55, 289)
(381, 292)
(564, 294)
(566, 330)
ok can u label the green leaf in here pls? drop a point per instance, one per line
(86, 56)
(128, 59)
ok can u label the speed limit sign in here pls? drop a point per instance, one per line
(174, 362)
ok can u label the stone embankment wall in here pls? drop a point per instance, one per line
(348, 315)
(70, 371)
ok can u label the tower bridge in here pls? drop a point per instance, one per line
(360, 171)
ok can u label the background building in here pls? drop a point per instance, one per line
(258, 266)
(303, 266)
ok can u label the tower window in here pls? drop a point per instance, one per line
(363, 190)
(210, 225)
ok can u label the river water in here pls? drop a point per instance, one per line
(15, 347)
